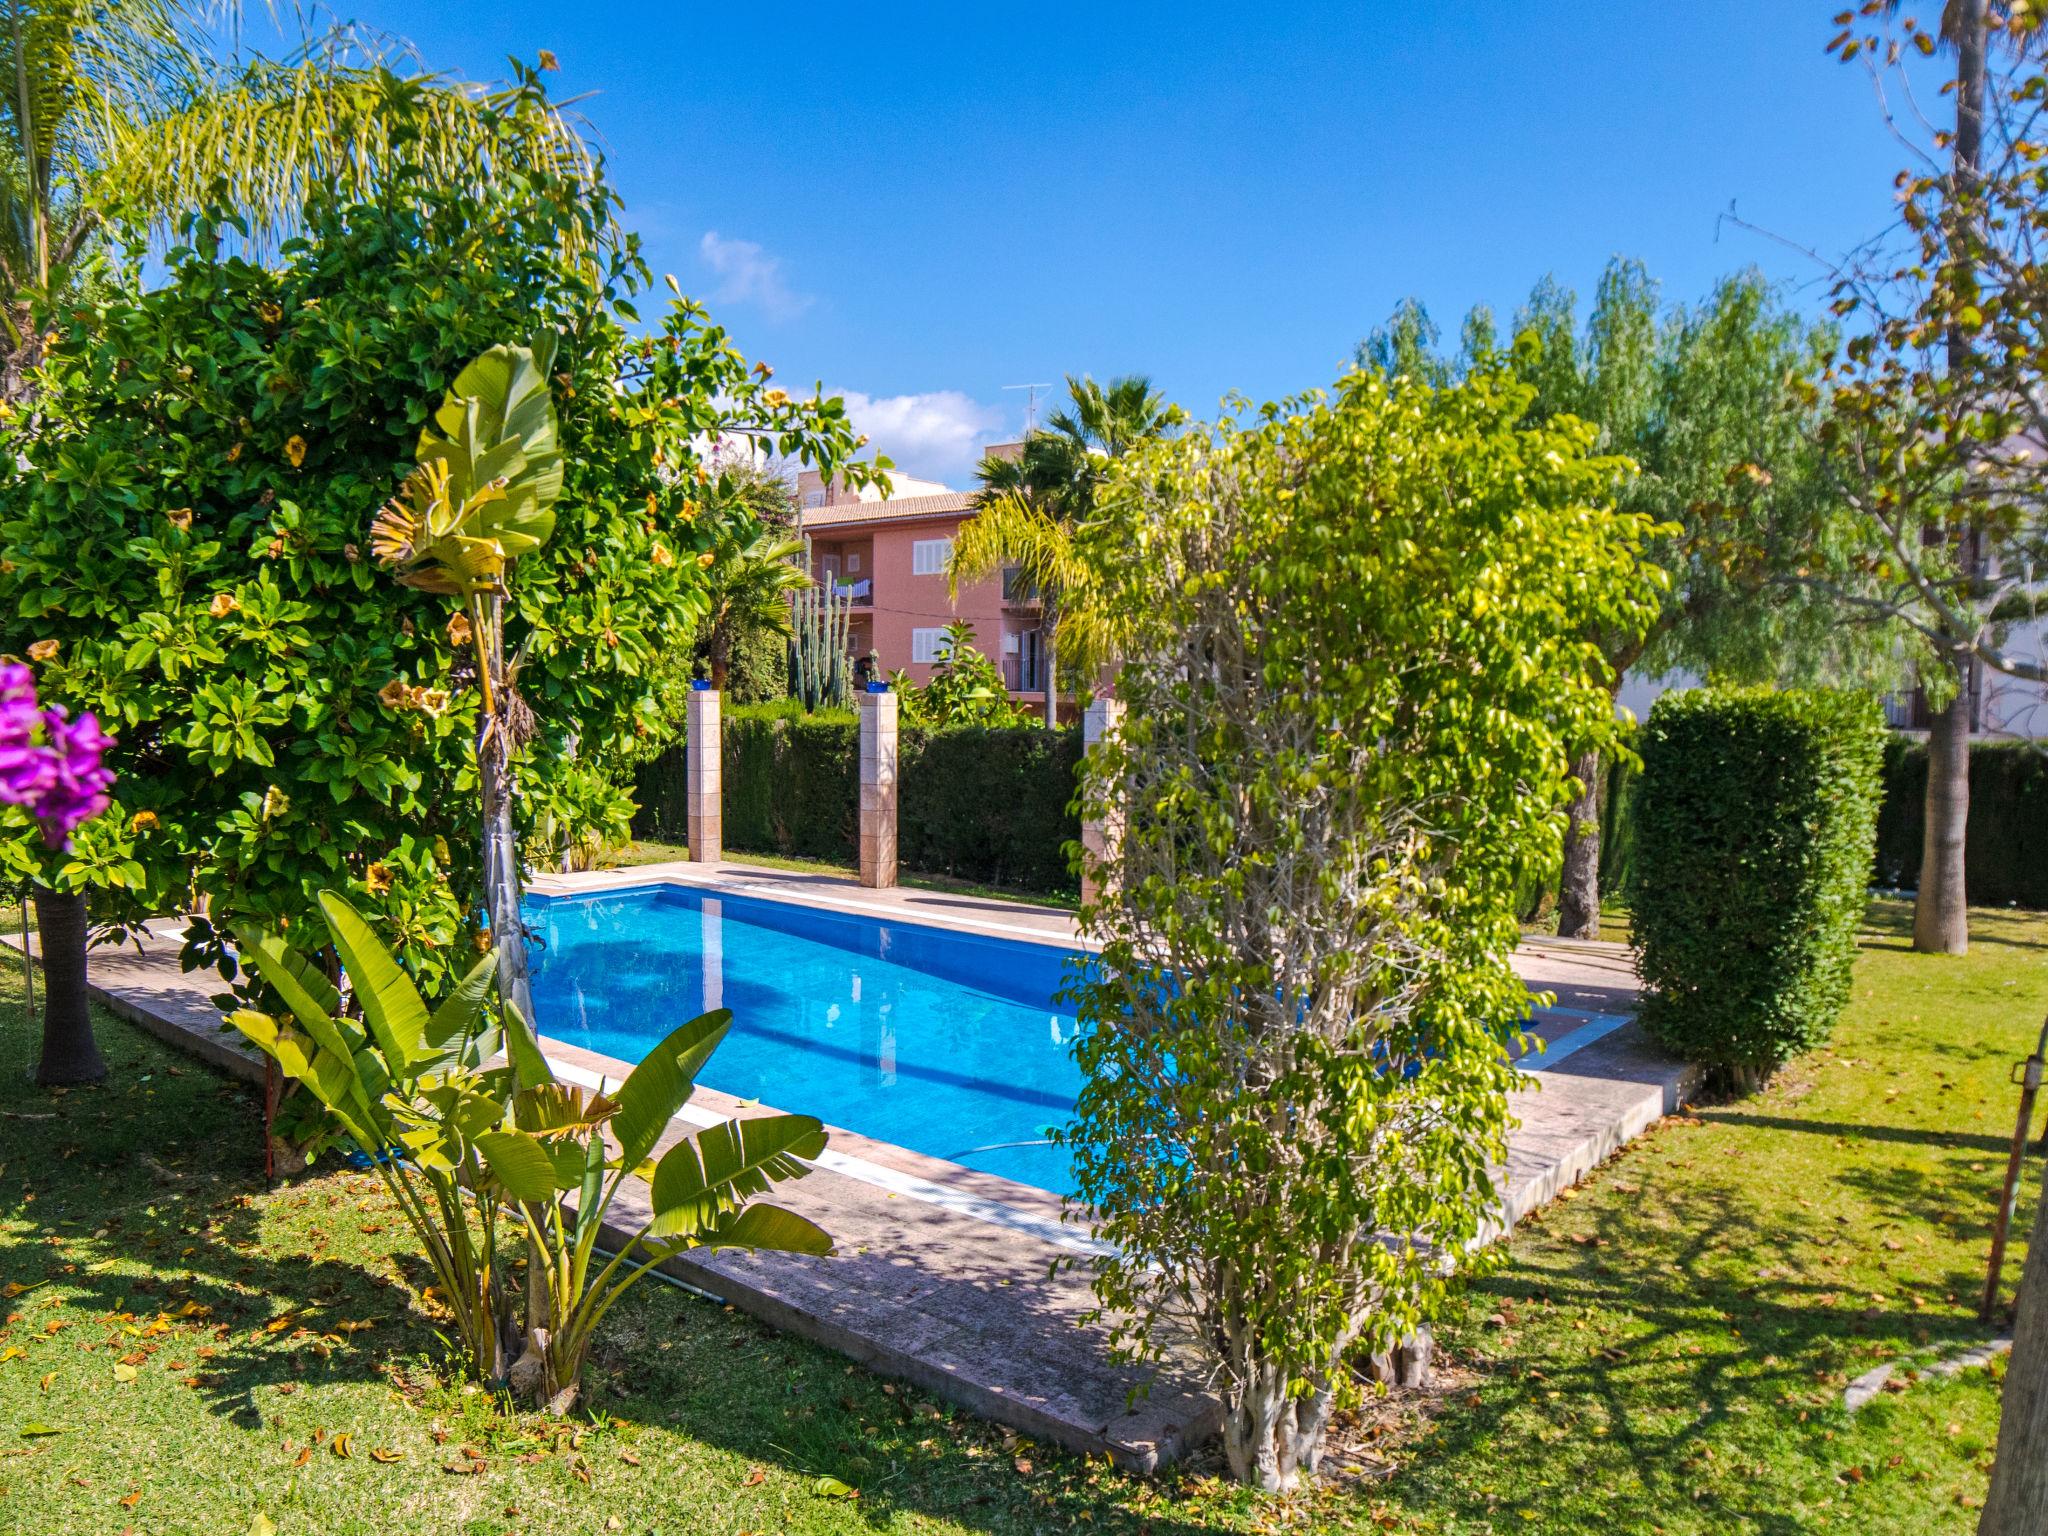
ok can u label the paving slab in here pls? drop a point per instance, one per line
(967, 1284)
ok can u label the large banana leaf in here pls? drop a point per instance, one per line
(329, 1078)
(663, 1082)
(303, 988)
(702, 1178)
(521, 1163)
(455, 1027)
(391, 1003)
(769, 1228)
(522, 1046)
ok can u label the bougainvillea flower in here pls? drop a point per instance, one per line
(79, 748)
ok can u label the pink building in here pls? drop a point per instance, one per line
(890, 554)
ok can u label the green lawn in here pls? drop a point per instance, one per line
(1663, 1352)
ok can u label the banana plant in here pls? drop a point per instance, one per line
(469, 1129)
(489, 473)
(412, 1088)
(566, 1157)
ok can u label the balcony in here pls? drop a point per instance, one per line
(1018, 591)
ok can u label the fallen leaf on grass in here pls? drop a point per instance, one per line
(344, 1445)
(124, 1373)
(130, 1500)
(833, 1488)
(305, 1455)
(629, 1458)
(35, 1427)
(384, 1454)
(756, 1476)
(261, 1526)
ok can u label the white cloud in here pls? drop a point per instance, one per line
(934, 436)
(747, 274)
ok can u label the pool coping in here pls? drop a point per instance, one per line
(952, 1286)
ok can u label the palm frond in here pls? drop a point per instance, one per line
(279, 130)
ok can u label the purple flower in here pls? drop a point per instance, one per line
(78, 750)
(51, 764)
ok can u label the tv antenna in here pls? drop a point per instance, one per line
(1030, 405)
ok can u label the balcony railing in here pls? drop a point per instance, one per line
(1018, 590)
(1024, 674)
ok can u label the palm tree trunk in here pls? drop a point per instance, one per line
(2018, 1502)
(70, 1054)
(1052, 687)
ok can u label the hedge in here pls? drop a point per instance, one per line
(1756, 818)
(991, 805)
(2007, 857)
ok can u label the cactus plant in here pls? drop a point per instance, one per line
(819, 625)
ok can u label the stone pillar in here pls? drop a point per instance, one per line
(878, 786)
(1098, 838)
(701, 776)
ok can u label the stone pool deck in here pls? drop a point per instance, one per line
(944, 1276)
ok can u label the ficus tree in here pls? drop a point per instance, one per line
(184, 545)
(1360, 663)
(1702, 400)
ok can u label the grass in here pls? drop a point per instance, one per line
(1662, 1352)
(636, 853)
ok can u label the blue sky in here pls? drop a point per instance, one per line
(918, 205)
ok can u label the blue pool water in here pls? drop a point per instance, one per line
(947, 1043)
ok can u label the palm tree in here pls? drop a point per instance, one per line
(128, 103)
(749, 583)
(1030, 508)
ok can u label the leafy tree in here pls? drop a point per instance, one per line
(1030, 509)
(126, 106)
(966, 687)
(1357, 669)
(1935, 412)
(185, 544)
(1697, 398)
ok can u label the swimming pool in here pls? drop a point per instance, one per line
(945, 1042)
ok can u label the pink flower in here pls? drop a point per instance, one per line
(49, 763)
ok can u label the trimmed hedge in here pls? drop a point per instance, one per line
(1756, 816)
(2008, 847)
(987, 804)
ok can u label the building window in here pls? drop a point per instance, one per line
(928, 645)
(814, 498)
(852, 561)
(928, 557)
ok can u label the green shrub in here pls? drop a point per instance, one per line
(2007, 855)
(983, 803)
(990, 803)
(1755, 818)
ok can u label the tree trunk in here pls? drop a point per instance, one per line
(2018, 1505)
(501, 842)
(721, 659)
(1578, 897)
(1272, 1440)
(1941, 913)
(70, 1054)
(1052, 687)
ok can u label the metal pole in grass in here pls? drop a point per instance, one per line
(2028, 1075)
(28, 964)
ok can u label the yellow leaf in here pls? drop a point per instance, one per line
(344, 1445)
(385, 1454)
(124, 1373)
(261, 1526)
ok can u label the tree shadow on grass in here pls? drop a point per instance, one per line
(1723, 1333)
(163, 1173)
